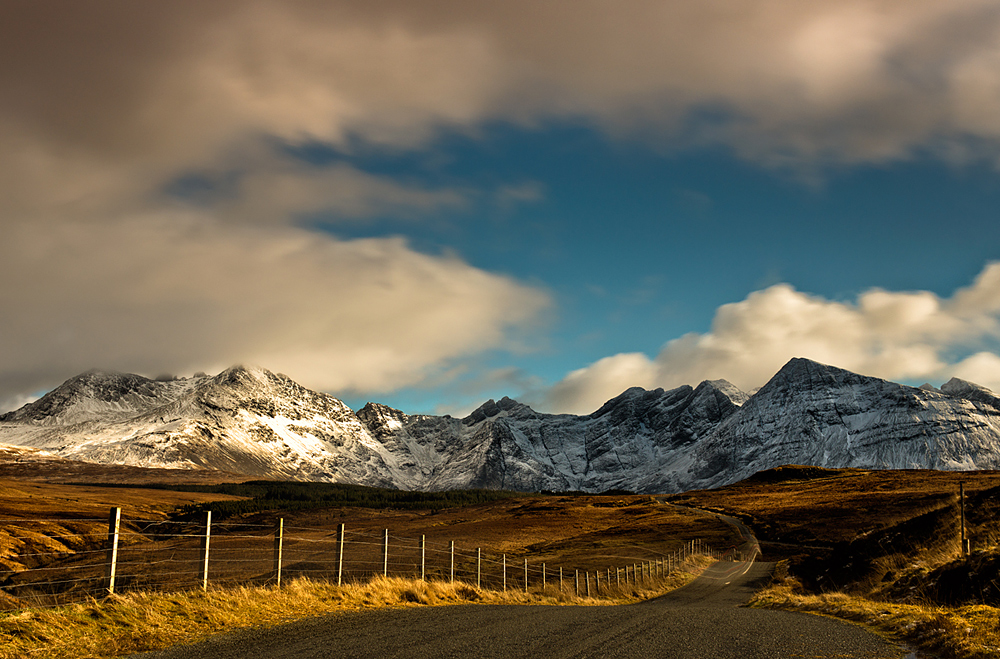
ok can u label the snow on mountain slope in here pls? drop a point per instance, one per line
(254, 422)
(812, 414)
(243, 420)
(100, 395)
(627, 444)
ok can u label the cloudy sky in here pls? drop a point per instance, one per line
(429, 203)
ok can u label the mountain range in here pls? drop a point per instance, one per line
(254, 422)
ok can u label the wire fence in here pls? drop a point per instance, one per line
(157, 555)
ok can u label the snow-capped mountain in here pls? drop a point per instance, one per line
(813, 414)
(252, 421)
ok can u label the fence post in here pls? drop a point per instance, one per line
(453, 561)
(560, 580)
(577, 578)
(479, 567)
(597, 582)
(206, 540)
(340, 555)
(618, 576)
(588, 583)
(385, 554)
(961, 508)
(526, 575)
(114, 524)
(543, 577)
(279, 535)
(505, 573)
(423, 557)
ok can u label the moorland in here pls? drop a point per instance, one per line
(862, 544)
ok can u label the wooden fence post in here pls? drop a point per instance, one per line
(279, 535)
(340, 555)
(114, 525)
(505, 573)
(588, 583)
(560, 579)
(453, 561)
(577, 578)
(206, 541)
(543, 577)
(423, 557)
(526, 575)
(385, 554)
(479, 567)
(597, 582)
(961, 508)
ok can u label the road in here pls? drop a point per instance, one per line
(703, 620)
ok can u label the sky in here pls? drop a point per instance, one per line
(432, 203)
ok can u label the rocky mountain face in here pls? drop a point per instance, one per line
(255, 422)
(812, 414)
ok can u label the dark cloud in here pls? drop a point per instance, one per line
(106, 103)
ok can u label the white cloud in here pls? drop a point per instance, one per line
(893, 335)
(982, 368)
(178, 292)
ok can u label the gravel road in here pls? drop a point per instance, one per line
(703, 620)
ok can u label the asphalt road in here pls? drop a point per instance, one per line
(703, 620)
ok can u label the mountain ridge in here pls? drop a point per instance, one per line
(252, 421)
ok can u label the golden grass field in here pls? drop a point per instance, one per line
(878, 547)
(881, 548)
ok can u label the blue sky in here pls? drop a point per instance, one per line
(432, 203)
(639, 245)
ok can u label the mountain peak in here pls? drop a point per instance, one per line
(492, 408)
(92, 392)
(377, 416)
(958, 388)
(726, 388)
(800, 372)
(630, 398)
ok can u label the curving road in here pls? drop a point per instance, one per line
(703, 620)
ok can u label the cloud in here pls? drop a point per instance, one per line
(894, 335)
(16, 402)
(106, 104)
(280, 191)
(164, 85)
(179, 292)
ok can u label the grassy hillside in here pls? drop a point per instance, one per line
(880, 547)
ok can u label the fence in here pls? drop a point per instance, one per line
(171, 556)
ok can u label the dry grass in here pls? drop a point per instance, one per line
(963, 632)
(588, 533)
(801, 509)
(138, 622)
(876, 543)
